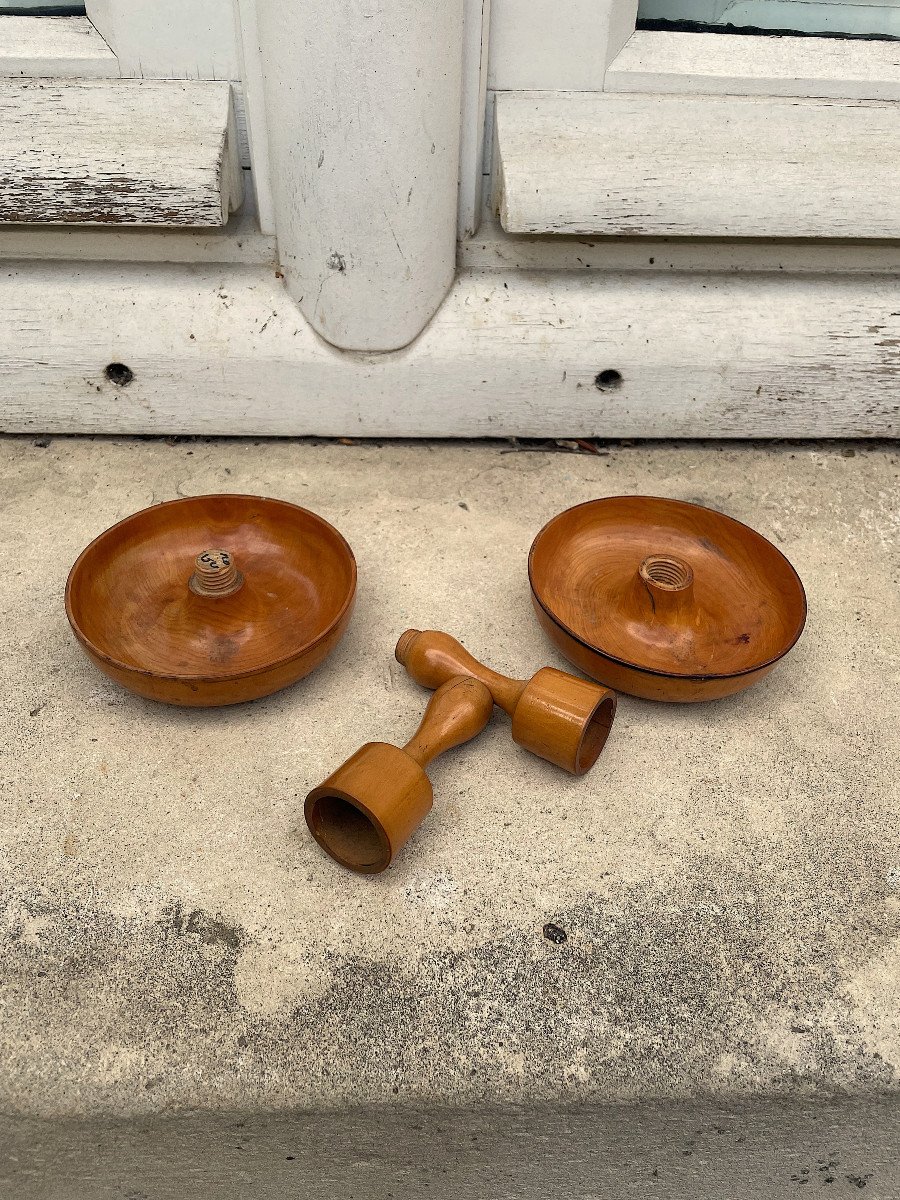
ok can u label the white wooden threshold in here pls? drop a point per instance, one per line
(61, 47)
(713, 63)
(118, 152)
(658, 165)
(223, 350)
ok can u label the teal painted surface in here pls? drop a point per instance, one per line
(853, 17)
(39, 8)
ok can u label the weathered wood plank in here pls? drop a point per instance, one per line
(63, 47)
(492, 249)
(117, 152)
(240, 241)
(697, 166)
(71, 48)
(658, 61)
(224, 350)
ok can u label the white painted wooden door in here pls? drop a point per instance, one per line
(360, 289)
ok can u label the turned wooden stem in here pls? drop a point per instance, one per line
(457, 712)
(431, 658)
(562, 719)
(215, 574)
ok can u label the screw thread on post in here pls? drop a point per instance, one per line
(668, 582)
(215, 574)
(401, 653)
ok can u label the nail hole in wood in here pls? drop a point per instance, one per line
(119, 374)
(609, 378)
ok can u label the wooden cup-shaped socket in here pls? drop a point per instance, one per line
(564, 719)
(365, 812)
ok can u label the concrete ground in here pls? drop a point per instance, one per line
(727, 878)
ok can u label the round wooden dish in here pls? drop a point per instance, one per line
(213, 599)
(664, 599)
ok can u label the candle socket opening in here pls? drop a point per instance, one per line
(666, 572)
(595, 735)
(348, 833)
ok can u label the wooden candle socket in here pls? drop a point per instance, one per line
(365, 812)
(557, 716)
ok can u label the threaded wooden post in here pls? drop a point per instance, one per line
(669, 583)
(215, 574)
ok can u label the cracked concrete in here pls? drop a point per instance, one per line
(727, 879)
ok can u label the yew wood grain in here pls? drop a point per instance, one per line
(664, 599)
(367, 810)
(557, 716)
(132, 606)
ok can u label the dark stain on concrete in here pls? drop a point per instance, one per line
(661, 989)
(210, 930)
(577, 1151)
(90, 988)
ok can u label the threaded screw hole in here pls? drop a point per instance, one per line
(667, 572)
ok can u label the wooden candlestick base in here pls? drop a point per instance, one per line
(664, 599)
(261, 609)
(557, 716)
(365, 812)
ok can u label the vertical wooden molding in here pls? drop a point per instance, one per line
(471, 150)
(363, 106)
(250, 59)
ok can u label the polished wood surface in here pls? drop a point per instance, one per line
(557, 716)
(457, 712)
(664, 599)
(365, 812)
(212, 600)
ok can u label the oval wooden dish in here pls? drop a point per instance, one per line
(212, 600)
(664, 599)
